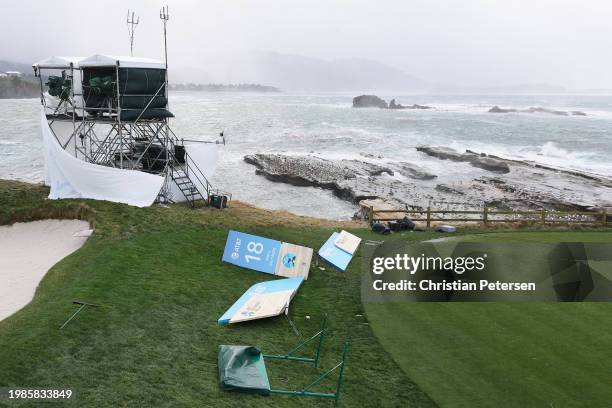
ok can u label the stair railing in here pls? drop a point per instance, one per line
(190, 169)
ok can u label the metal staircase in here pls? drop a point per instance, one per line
(193, 184)
(188, 188)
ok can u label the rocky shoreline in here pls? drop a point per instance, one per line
(494, 181)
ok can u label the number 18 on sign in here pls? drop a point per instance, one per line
(252, 251)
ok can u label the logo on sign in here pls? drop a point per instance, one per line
(289, 260)
(236, 254)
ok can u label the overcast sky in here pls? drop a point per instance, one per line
(464, 42)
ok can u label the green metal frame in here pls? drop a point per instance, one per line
(289, 356)
(306, 391)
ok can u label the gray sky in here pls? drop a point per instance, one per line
(464, 42)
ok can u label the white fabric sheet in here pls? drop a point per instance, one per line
(204, 155)
(70, 177)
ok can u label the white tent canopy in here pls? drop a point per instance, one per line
(100, 60)
(58, 62)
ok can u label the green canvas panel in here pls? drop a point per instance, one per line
(140, 102)
(157, 113)
(136, 86)
(141, 81)
(242, 368)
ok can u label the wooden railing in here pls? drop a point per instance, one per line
(487, 215)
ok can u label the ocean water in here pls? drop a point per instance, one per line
(328, 126)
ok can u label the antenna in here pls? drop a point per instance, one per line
(132, 22)
(164, 15)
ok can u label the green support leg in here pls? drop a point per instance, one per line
(341, 375)
(322, 331)
(305, 391)
(315, 360)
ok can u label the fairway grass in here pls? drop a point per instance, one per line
(504, 354)
(158, 276)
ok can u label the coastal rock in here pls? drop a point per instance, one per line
(477, 160)
(393, 105)
(415, 172)
(528, 186)
(497, 109)
(443, 153)
(417, 106)
(447, 189)
(369, 101)
(373, 101)
(490, 164)
(545, 110)
(348, 179)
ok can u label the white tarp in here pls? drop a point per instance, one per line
(204, 156)
(99, 60)
(70, 177)
(58, 62)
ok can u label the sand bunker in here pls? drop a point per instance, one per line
(28, 251)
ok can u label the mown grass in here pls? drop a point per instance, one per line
(504, 354)
(158, 275)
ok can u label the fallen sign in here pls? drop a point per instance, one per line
(339, 249)
(264, 299)
(267, 255)
(243, 369)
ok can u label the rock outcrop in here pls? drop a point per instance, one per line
(527, 186)
(497, 109)
(394, 105)
(369, 101)
(415, 172)
(348, 179)
(477, 160)
(373, 101)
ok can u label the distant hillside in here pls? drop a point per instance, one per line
(296, 72)
(224, 87)
(25, 69)
(18, 88)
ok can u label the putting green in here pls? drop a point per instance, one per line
(504, 354)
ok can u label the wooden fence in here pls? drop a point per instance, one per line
(487, 216)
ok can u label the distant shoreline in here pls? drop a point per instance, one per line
(224, 88)
(18, 88)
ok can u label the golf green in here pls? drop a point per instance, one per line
(504, 354)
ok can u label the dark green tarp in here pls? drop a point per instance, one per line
(137, 86)
(141, 81)
(157, 113)
(140, 102)
(242, 368)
